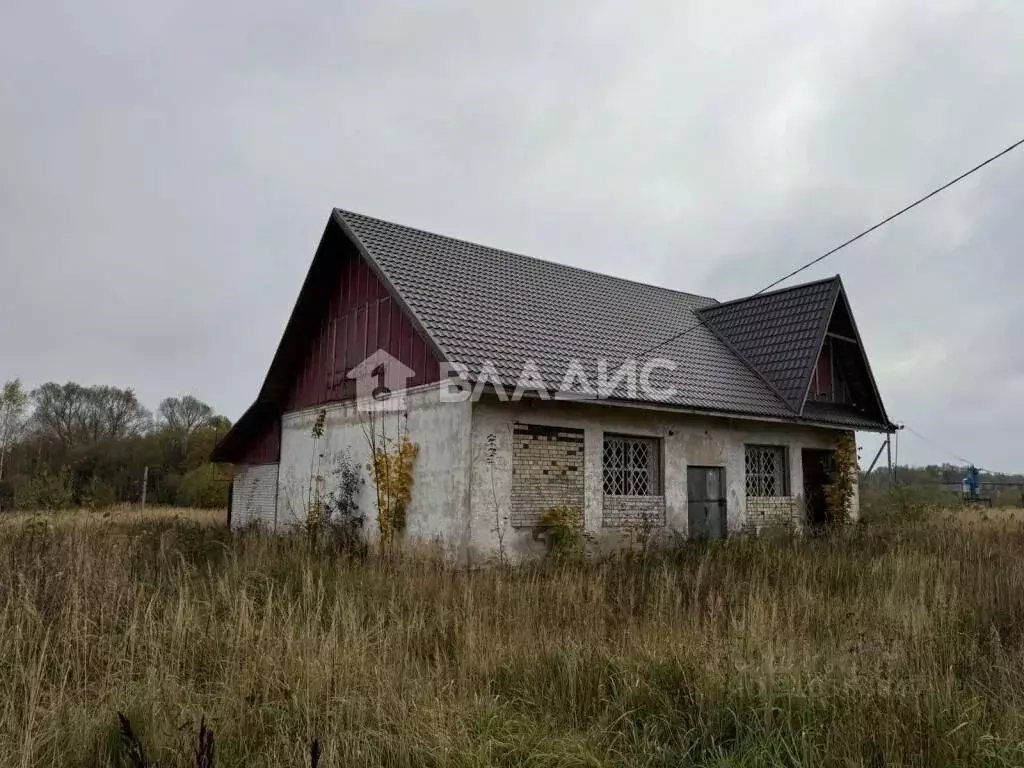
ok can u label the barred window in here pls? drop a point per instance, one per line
(766, 470)
(631, 466)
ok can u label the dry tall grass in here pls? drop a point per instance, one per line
(122, 513)
(877, 649)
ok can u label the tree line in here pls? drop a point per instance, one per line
(936, 474)
(70, 445)
(941, 484)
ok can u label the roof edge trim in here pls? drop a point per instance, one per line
(276, 360)
(819, 341)
(867, 361)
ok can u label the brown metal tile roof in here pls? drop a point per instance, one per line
(779, 334)
(482, 304)
(749, 357)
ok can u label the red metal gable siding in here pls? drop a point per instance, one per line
(359, 318)
(264, 447)
(344, 315)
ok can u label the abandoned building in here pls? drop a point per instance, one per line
(527, 385)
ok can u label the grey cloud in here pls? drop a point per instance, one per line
(167, 172)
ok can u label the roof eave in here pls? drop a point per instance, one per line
(731, 414)
(223, 452)
(690, 410)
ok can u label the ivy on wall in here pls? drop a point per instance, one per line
(392, 469)
(839, 493)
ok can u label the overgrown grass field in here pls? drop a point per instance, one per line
(885, 646)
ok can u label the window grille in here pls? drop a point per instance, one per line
(631, 466)
(766, 470)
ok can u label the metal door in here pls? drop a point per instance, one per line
(705, 494)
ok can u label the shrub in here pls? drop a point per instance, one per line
(204, 487)
(339, 516)
(897, 504)
(49, 491)
(561, 528)
(98, 493)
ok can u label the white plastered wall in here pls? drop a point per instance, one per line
(439, 507)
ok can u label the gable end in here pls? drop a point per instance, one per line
(851, 385)
(346, 311)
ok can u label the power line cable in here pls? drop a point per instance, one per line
(932, 443)
(951, 453)
(853, 239)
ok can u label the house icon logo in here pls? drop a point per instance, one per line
(381, 381)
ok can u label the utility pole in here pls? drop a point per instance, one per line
(896, 457)
(145, 484)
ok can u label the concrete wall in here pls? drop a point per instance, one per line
(462, 496)
(254, 495)
(439, 507)
(686, 440)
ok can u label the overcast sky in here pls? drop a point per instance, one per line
(166, 171)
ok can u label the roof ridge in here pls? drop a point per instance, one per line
(766, 294)
(345, 212)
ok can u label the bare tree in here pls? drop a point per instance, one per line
(117, 413)
(60, 411)
(13, 417)
(75, 415)
(184, 415)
